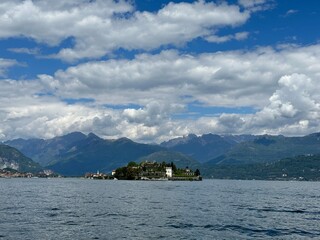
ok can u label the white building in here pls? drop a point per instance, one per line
(169, 172)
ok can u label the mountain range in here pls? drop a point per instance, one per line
(206, 147)
(268, 148)
(75, 154)
(302, 167)
(13, 159)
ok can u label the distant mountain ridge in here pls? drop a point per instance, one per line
(45, 151)
(302, 167)
(76, 153)
(93, 154)
(13, 159)
(179, 159)
(205, 147)
(268, 148)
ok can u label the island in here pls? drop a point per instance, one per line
(150, 171)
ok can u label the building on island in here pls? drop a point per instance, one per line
(149, 171)
(155, 171)
(169, 172)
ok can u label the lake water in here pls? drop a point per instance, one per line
(211, 209)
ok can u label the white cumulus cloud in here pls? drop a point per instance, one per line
(281, 84)
(102, 26)
(5, 64)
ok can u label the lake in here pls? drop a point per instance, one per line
(211, 209)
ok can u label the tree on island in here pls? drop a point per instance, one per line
(174, 168)
(132, 164)
(153, 170)
(130, 172)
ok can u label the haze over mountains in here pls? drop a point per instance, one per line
(75, 154)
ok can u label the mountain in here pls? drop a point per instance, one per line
(239, 138)
(12, 158)
(205, 147)
(269, 148)
(44, 151)
(93, 154)
(75, 154)
(304, 167)
(180, 160)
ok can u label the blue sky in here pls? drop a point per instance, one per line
(155, 70)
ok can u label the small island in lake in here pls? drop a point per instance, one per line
(156, 171)
(153, 171)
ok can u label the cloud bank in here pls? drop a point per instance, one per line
(281, 84)
(99, 27)
(156, 93)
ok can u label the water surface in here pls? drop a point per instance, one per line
(211, 209)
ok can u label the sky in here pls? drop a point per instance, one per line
(154, 70)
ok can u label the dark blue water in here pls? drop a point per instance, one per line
(211, 209)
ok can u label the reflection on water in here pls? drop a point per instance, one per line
(211, 209)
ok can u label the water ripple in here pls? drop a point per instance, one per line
(65, 209)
